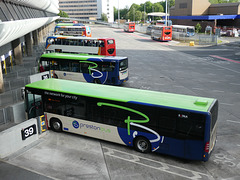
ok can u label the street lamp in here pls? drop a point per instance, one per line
(166, 14)
(153, 12)
(144, 11)
(118, 15)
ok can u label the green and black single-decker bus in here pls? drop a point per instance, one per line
(178, 125)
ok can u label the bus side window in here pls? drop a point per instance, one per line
(64, 66)
(101, 43)
(75, 109)
(54, 65)
(97, 44)
(75, 67)
(84, 67)
(58, 41)
(108, 67)
(45, 64)
(54, 105)
(94, 43)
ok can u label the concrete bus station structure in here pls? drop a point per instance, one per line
(23, 28)
(22, 25)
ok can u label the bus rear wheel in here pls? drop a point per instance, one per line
(142, 144)
(56, 125)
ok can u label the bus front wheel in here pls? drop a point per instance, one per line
(56, 125)
(142, 144)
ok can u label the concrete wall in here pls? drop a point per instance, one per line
(200, 7)
(11, 139)
(17, 112)
(190, 8)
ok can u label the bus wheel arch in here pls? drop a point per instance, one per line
(97, 81)
(142, 144)
(56, 124)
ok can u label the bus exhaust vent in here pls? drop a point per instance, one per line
(200, 102)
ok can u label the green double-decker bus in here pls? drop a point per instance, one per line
(178, 125)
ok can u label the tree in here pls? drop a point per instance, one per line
(133, 13)
(144, 14)
(170, 4)
(148, 7)
(62, 14)
(198, 28)
(157, 7)
(104, 17)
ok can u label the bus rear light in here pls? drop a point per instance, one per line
(206, 149)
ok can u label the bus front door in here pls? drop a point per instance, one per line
(34, 106)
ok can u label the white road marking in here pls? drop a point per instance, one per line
(168, 168)
(27, 169)
(233, 121)
(227, 104)
(218, 91)
(198, 89)
(235, 84)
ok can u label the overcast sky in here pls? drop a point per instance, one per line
(124, 3)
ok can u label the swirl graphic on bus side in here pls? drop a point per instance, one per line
(94, 73)
(133, 122)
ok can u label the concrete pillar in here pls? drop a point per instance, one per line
(1, 78)
(17, 51)
(29, 46)
(40, 35)
(35, 37)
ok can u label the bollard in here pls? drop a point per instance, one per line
(191, 43)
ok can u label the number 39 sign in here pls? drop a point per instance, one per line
(29, 131)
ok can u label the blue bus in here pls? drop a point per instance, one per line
(150, 121)
(86, 68)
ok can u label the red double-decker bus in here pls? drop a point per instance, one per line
(129, 27)
(161, 33)
(87, 45)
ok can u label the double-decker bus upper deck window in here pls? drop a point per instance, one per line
(101, 43)
(123, 65)
(110, 41)
(57, 41)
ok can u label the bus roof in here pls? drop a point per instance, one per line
(121, 94)
(79, 57)
(76, 37)
(183, 26)
(70, 24)
(74, 27)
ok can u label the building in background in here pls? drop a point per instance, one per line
(87, 9)
(192, 12)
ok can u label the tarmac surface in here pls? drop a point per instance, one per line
(183, 70)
